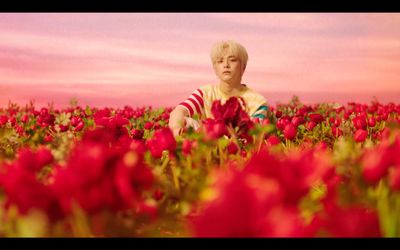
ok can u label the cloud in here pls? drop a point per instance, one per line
(290, 52)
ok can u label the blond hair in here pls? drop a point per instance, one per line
(224, 47)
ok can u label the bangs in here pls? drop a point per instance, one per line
(223, 48)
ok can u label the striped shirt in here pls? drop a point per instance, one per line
(201, 100)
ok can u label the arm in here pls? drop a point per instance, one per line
(192, 105)
(176, 119)
(261, 112)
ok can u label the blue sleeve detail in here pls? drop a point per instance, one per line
(262, 107)
(261, 116)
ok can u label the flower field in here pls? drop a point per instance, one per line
(321, 170)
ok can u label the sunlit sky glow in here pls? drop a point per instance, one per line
(117, 59)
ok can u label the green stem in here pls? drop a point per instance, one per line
(189, 162)
(164, 163)
(221, 155)
(175, 177)
(260, 143)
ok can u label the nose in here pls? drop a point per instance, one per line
(226, 63)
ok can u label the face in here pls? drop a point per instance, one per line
(228, 68)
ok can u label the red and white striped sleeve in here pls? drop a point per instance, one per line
(194, 103)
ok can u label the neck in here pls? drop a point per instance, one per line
(230, 89)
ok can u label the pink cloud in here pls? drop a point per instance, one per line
(164, 56)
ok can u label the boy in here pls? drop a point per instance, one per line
(229, 61)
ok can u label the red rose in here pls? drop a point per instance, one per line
(360, 135)
(273, 140)
(355, 221)
(297, 120)
(137, 134)
(186, 147)
(336, 131)
(310, 125)
(394, 178)
(232, 148)
(163, 139)
(317, 118)
(375, 164)
(290, 131)
(214, 128)
(359, 122)
(371, 121)
(337, 122)
(148, 125)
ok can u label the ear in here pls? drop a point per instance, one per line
(243, 68)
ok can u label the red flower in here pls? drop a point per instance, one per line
(12, 120)
(359, 122)
(22, 187)
(102, 113)
(79, 126)
(296, 173)
(137, 134)
(310, 125)
(220, 216)
(214, 128)
(75, 120)
(186, 147)
(336, 131)
(384, 116)
(34, 161)
(265, 121)
(163, 139)
(376, 162)
(273, 140)
(232, 114)
(337, 122)
(99, 177)
(281, 123)
(261, 216)
(360, 135)
(158, 194)
(63, 128)
(156, 126)
(297, 120)
(317, 118)
(290, 131)
(394, 178)
(138, 146)
(371, 121)
(148, 125)
(24, 119)
(355, 221)
(165, 116)
(48, 138)
(132, 176)
(232, 148)
(3, 120)
(44, 112)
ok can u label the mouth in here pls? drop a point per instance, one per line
(226, 72)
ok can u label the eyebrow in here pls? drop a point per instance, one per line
(219, 58)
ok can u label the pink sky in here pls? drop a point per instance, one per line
(107, 59)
